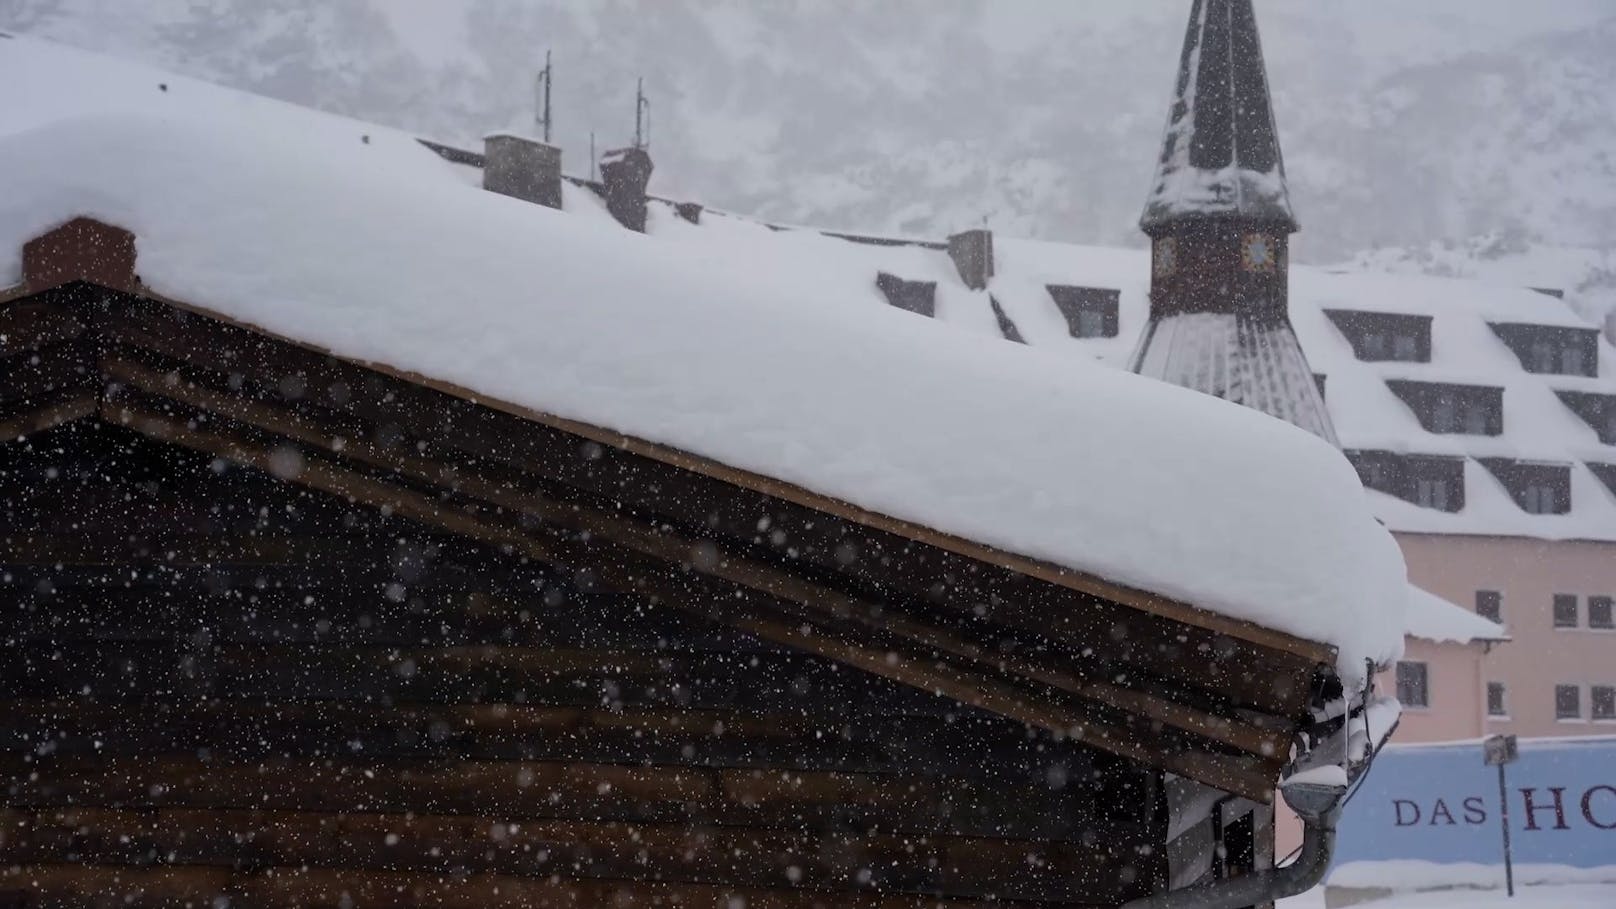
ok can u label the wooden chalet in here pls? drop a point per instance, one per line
(284, 629)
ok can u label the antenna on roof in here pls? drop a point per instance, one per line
(642, 116)
(541, 91)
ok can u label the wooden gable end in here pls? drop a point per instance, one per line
(1086, 675)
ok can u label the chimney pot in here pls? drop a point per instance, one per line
(624, 174)
(972, 252)
(523, 168)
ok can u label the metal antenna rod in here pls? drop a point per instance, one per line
(642, 116)
(543, 93)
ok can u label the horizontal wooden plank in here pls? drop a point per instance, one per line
(40, 415)
(62, 370)
(33, 324)
(528, 790)
(579, 850)
(364, 615)
(73, 886)
(195, 666)
(970, 746)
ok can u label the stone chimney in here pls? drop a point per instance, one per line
(624, 174)
(972, 252)
(522, 167)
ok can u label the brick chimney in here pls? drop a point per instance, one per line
(522, 167)
(972, 252)
(624, 174)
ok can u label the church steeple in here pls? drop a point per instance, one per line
(1220, 155)
(1219, 219)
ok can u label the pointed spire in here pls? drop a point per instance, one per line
(1220, 156)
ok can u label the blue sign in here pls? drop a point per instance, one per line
(1439, 804)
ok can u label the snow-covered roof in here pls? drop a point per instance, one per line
(1368, 415)
(755, 348)
(1432, 618)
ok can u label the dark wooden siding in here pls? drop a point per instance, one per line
(219, 682)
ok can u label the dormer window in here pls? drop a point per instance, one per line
(1552, 349)
(1385, 336)
(1435, 482)
(1453, 409)
(1536, 487)
(1091, 312)
(1540, 498)
(915, 296)
(1427, 481)
(1597, 410)
(1606, 474)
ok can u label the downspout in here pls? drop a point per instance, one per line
(1318, 847)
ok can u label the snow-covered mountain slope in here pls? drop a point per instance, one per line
(1403, 123)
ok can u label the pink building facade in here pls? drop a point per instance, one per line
(1554, 676)
(1521, 685)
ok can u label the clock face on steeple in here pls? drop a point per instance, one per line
(1259, 252)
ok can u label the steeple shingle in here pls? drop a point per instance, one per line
(1220, 155)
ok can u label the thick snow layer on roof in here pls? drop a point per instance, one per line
(44, 82)
(381, 256)
(1435, 619)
